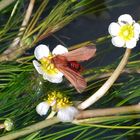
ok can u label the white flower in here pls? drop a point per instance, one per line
(59, 103)
(125, 33)
(67, 114)
(46, 67)
(42, 108)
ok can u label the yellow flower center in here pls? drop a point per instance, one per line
(62, 103)
(47, 66)
(61, 100)
(51, 97)
(126, 32)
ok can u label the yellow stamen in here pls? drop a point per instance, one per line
(61, 100)
(52, 97)
(61, 103)
(126, 32)
(47, 66)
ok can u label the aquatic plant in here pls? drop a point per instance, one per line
(57, 96)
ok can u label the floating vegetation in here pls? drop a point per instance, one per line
(68, 93)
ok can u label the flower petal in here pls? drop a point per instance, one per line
(136, 31)
(125, 19)
(67, 114)
(137, 27)
(59, 49)
(57, 78)
(136, 35)
(37, 67)
(118, 42)
(131, 44)
(41, 51)
(42, 108)
(114, 29)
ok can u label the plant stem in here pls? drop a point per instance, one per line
(51, 114)
(16, 41)
(30, 129)
(5, 3)
(105, 87)
(109, 73)
(108, 111)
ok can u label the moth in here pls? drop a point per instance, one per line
(68, 64)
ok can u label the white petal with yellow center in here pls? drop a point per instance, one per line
(37, 67)
(114, 29)
(118, 42)
(46, 66)
(41, 51)
(131, 44)
(59, 49)
(42, 108)
(127, 34)
(67, 114)
(51, 75)
(125, 19)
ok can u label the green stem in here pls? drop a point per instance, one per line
(109, 72)
(31, 129)
(110, 127)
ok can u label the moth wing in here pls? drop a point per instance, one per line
(75, 78)
(81, 54)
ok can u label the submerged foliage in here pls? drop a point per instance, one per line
(22, 88)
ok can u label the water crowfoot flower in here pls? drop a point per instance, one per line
(61, 62)
(46, 67)
(125, 33)
(60, 104)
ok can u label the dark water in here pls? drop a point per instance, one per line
(93, 26)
